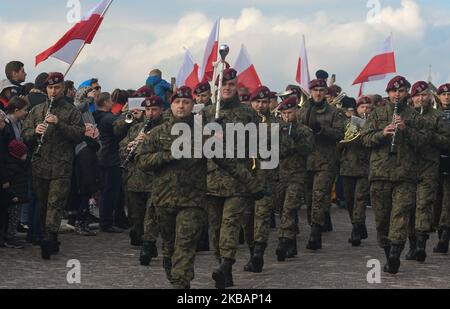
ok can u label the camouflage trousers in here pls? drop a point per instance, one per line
(289, 194)
(256, 221)
(420, 218)
(248, 222)
(141, 214)
(357, 197)
(181, 229)
(225, 218)
(51, 198)
(318, 195)
(441, 211)
(392, 203)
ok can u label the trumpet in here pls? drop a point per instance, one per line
(41, 140)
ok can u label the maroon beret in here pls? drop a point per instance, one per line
(202, 87)
(363, 100)
(397, 83)
(143, 92)
(245, 98)
(54, 78)
(443, 88)
(295, 90)
(228, 74)
(318, 83)
(287, 104)
(419, 87)
(260, 93)
(153, 101)
(182, 93)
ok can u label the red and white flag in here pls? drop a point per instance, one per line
(206, 71)
(302, 76)
(68, 47)
(379, 66)
(188, 74)
(247, 75)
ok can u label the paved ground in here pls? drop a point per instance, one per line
(107, 261)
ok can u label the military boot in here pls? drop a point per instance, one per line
(47, 247)
(421, 253)
(328, 226)
(412, 253)
(258, 257)
(355, 238)
(442, 246)
(394, 259)
(146, 253)
(291, 251)
(315, 240)
(387, 250)
(167, 265)
(223, 276)
(249, 266)
(281, 251)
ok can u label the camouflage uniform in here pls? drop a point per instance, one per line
(322, 162)
(393, 177)
(179, 195)
(52, 168)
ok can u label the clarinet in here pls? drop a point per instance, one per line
(147, 127)
(41, 140)
(393, 149)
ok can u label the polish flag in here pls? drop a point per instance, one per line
(303, 77)
(188, 74)
(380, 65)
(206, 71)
(247, 75)
(68, 47)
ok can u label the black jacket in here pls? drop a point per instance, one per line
(109, 152)
(17, 172)
(36, 98)
(86, 167)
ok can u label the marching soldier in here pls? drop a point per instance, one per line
(441, 211)
(394, 133)
(354, 168)
(139, 184)
(53, 129)
(327, 124)
(296, 143)
(179, 190)
(419, 225)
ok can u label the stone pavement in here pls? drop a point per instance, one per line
(108, 261)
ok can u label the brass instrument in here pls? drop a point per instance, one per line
(41, 140)
(129, 118)
(337, 100)
(224, 50)
(435, 100)
(393, 149)
(353, 129)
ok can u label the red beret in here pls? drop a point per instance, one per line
(245, 98)
(363, 100)
(418, 87)
(228, 74)
(443, 88)
(397, 83)
(260, 93)
(143, 92)
(182, 93)
(202, 87)
(287, 104)
(318, 83)
(54, 78)
(153, 101)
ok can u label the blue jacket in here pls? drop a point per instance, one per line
(161, 87)
(88, 83)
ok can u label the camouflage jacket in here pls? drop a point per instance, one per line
(137, 180)
(401, 166)
(220, 182)
(438, 130)
(296, 143)
(57, 153)
(182, 182)
(332, 122)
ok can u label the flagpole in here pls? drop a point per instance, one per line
(84, 44)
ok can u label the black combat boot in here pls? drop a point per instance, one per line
(394, 259)
(328, 226)
(249, 266)
(258, 257)
(442, 246)
(363, 230)
(412, 253)
(387, 250)
(281, 251)
(47, 247)
(315, 240)
(421, 253)
(291, 251)
(223, 276)
(167, 265)
(355, 238)
(146, 255)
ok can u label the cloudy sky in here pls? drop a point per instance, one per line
(139, 35)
